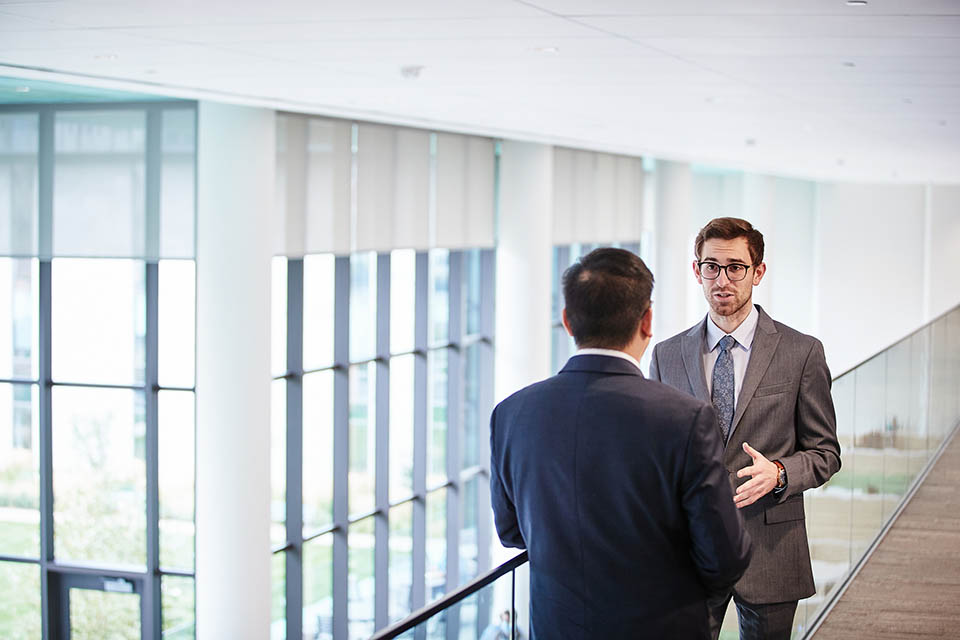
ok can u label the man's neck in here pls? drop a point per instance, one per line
(729, 324)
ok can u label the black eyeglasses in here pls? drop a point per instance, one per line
(735, 271)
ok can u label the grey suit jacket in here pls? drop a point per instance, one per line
(785, 411)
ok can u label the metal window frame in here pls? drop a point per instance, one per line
(56, 578)
(457, 477)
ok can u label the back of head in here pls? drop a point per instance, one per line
(731, 229)
(606, 293)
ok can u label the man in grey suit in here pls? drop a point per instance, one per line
(771, 389)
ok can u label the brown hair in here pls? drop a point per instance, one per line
(731, 229)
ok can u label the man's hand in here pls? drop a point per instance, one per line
(764, 478)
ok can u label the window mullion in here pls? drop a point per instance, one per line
(419, 561)
(294, 456)
(150, 603)
(341, 442)
(382, 449)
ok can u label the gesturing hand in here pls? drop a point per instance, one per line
(763, 478)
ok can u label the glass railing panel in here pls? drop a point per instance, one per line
(916, 445)
(867, 453)
(894, 438)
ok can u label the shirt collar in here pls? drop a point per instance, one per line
(609, 352)
(742, 334)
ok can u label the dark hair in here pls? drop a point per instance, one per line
(731, 229)
(606, 293)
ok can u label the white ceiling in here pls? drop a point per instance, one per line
(812, 88)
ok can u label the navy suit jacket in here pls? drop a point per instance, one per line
(616, 487)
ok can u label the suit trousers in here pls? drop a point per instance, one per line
(757, 621)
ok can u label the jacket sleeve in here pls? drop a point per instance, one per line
(504, 511)
(818, 451)
(720, 546)
(654, 366)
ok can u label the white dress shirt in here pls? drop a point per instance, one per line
(740, 353)
(610, 352)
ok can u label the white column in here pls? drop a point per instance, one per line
(524, 266)
(674, 254)
(235, 184)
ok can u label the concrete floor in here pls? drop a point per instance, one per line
(910, 586)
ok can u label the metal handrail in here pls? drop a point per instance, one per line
(450, 599)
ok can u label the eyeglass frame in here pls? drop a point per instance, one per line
(724, 267)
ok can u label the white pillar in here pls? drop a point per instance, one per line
(235, 184)
(524, 266)
(674, 254)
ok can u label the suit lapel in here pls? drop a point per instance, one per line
(765, 342)
(692, 347)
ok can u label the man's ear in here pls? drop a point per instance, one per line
(696, 273)
(646, 322)
(566, 323)
(758, 273)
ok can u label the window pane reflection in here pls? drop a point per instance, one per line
(99, 477)
(436, 552)
(318, 295)
(176, 477)
(360, 587)
(318, 588)
(19, 329)
(19, 471)
(177, 183)
(176, 308)
(472, 292)
(401, 561)
(403, 293)
(103, 614)
(363, 306)
(469, 543)
(99, 320)
(363, 406)
(278, 596)
(437, 417)
(317, 451)
(19, 142)
(401, 426)
(472, 417)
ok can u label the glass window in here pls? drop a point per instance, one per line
(436, 543)
(19, 472)
(20, 608)
(439, 297)
(400, 573)
(363, 306)
(473, 417)
(99, 480)
(317, 451)
(318, 305)
(401, 426)
(19, 292)
(278, 462)
(177, 320)
(179, 620)
(278, 596)
(176, 436)
(104, 614)
(469, 542)
(403, 294)
(318, 588)
(360, 581)
(472, 290)
(106, 149)
(363, 407)
(278, 317)
(437, 417)
(99, 320)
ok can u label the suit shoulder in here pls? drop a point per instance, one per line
(792, 334)
(673, 342)
(668, 399)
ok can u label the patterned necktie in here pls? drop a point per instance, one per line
(722, 393)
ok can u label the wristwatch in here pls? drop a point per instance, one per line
(781, 475)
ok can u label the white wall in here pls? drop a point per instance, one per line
(871, 255)
(943, 249)
(235, 174)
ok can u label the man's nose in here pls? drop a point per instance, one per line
(722, 278)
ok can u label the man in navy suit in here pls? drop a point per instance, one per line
(613, 483)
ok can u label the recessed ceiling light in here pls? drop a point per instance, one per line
(22, 89)
(841, 162)
(411, 71)
(106, 56)
(907, 101)
(849, 64)
(943, 123)
(751, 142)
(856, 3)
(150, 72)
(547, 50)
(710, 100)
